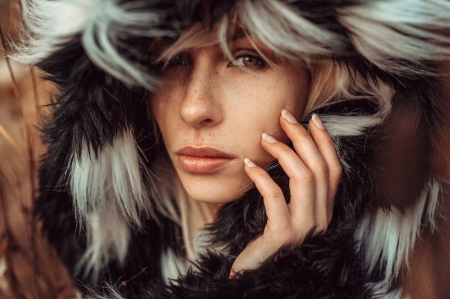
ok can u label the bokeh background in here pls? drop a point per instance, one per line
(30, 268)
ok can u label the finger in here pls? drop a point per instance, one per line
(274, 201)
(326, 147)
(302, 183)
(308, 152)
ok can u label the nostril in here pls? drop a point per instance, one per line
(207, 122)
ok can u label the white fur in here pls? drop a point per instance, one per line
(110, 196)
(381, 291)
(113, 178)
(347, 88)
(108, 236)
(50, 24)
(388, 237)
(284, 30)
(202, 244)
(173, 266)
(411, 30)
(101, 23)
(101, 40)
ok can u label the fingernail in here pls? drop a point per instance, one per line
(317, 121)
(249, 162)
(289, 117)
(268, 138)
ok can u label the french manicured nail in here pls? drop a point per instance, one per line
(249, 162)
(268, 138)
(289, 117)
(317, 121)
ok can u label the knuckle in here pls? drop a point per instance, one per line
(279, 236)
(306, 177)
(275, 193)
(321, 167)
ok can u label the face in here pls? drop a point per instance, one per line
(211, 112)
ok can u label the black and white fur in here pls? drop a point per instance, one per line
(110, 210)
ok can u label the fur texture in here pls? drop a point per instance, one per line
(106, 199)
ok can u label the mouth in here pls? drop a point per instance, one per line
(202, 160)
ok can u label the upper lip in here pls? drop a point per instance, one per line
(203, 151)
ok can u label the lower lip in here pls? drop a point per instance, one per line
(202, 165)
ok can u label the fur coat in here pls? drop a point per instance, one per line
(101, 206)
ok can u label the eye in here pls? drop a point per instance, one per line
(178, 61)
(248, 61)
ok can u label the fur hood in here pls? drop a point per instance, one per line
(107, 210)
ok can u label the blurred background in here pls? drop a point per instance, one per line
(30, 268)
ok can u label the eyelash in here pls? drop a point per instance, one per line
(261, 64)
(171, 64)
(186, 61)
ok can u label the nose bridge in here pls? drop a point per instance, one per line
(199, 107)
(199, 81)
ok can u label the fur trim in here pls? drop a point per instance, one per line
(173, 265)
(313, 270)
(398, 36)
(107, 238)
(112, 178)
(104, 28)
(389, 236)
(102, 150)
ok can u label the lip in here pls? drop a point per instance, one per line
(202, 160)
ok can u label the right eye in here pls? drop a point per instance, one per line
(178, 61)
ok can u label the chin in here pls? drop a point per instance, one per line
(218, 191)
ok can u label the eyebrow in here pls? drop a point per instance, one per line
(240, 33)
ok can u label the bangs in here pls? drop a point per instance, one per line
(278, 26)
(197, 36)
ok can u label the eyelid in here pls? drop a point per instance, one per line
(243, 52)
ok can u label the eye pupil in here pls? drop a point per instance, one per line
(176, 60)
(250, 61)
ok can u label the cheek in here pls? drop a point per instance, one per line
(255, 107)
(164, 105)
(256, 102)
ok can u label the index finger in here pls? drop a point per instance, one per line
(274, 201)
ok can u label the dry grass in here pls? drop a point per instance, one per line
(29, 267)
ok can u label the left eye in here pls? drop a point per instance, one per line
(248, 61)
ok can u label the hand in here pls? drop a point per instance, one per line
(314, 171)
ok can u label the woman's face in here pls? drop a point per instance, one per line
(212, 111)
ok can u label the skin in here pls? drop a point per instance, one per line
(207, 100)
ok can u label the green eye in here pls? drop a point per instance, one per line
(248, 61)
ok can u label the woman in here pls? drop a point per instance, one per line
(159, 105)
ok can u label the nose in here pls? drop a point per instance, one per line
(200, 107)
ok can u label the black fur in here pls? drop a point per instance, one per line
(324, 266)
(92, 106)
